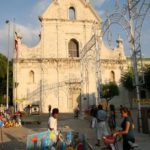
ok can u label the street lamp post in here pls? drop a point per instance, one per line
(7, 87)
(134, 60)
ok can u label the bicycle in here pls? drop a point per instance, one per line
(111, 143)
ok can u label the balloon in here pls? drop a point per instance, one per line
(44, 144)
(53, 137)
(1, 123)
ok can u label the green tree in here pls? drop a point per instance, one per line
(11, 82)
(3, 78)
(108, 91)
(3, 66)
(147, 77)
(127, 82)
(3, 71)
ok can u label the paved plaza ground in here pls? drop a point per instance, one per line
(15, 138)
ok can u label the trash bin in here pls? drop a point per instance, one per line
(145, 112)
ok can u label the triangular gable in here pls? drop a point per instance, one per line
(52, 10)
(92, 9)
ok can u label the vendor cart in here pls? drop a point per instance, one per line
(68, 140)
(32, 115)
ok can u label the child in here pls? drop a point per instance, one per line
(52, 122)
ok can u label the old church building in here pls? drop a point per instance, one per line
(51, 72)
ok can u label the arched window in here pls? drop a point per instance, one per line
(31, 76)
(73, 48)
(112, 76)
(72, 14)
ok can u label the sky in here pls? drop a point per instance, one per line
(25, 15)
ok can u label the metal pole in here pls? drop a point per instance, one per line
(16, 84)
(134, 59)
(41, 92)
(97, 81)
(97, 70)
(41, 68)
(7, 88)
(82, 83)
(15, 65)
(14, 73)
(57, 61)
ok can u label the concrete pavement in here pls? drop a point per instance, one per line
(15, 138)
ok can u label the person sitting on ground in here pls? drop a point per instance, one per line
(101, 124)
(52, 122)
(127, 129)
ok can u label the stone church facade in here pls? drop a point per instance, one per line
(50, 72)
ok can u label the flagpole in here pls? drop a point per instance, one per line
(7, 87)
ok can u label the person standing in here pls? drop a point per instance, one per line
(76, 112)
(49, 110)
(121, 107)
(101, 124)
(93, 114)
(52, 122)
(127, 131)
(112, 118)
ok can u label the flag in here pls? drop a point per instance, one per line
(16, 45)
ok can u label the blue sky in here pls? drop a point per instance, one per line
(26, 14)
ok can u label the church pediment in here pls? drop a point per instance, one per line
(60, 10)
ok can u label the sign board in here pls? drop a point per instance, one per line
(20, 100)
(142, 101)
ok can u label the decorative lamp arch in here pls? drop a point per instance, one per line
(117, 18)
